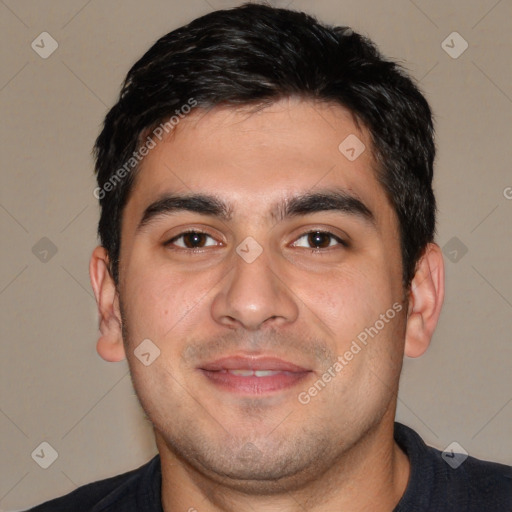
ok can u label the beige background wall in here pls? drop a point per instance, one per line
(54, 387)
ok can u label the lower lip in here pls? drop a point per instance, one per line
(253, 385)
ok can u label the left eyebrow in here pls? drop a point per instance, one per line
(313, 202)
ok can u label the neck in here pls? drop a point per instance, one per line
(372, 475)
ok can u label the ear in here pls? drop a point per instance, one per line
(425, 301)
(110, 342)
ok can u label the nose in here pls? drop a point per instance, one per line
(254, 295)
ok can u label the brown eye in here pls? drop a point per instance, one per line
(318, 240)
(192, 240)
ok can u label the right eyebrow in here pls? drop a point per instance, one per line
(198, 203)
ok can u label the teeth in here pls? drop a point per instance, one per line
(256, 373)
(241, 373)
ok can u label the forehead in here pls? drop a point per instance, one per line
(254, 157)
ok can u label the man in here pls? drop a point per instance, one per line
(267, 259)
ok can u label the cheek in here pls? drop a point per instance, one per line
(161, 391)
(349, 299)
(162, 302)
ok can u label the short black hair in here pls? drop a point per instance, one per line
(255, 55)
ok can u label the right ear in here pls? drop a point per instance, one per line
(110, 342)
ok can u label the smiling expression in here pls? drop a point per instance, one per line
(251, 244)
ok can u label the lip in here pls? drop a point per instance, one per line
(284, 375)
(241, 362)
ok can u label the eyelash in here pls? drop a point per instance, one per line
(314, 250)
(192, 231)
(317, 250)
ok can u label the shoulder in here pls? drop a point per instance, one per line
(487, 483)
(121, 492)
(449, 481)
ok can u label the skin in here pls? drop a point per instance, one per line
(222, 451)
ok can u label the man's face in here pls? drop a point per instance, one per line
(283, 295)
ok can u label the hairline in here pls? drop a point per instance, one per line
(377, 165)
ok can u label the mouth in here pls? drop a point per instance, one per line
(253, 375)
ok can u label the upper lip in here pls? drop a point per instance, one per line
(244, 362)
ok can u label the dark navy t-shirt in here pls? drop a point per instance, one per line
(434, 486)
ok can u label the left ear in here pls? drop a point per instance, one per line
(425, 301)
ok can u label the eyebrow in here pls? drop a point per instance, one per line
(328, 200)
(198, 203)
(303, 204)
